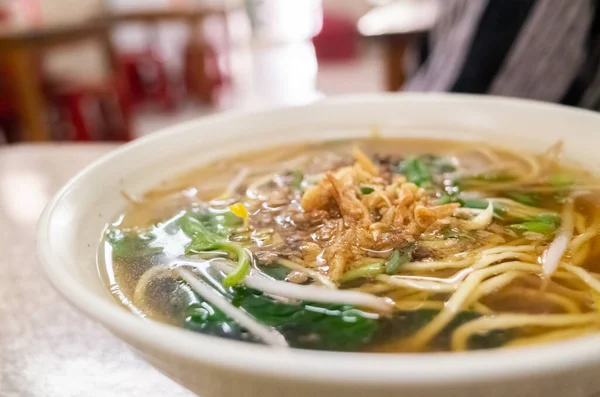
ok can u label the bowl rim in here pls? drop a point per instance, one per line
(306, 365)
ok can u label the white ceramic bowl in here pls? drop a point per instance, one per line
(70, 228)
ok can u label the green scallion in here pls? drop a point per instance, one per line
(366, 190)
(369, 270)
(530, 199)
(545, 223)
(397, 259)
(416, 171)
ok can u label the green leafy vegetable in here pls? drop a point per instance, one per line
(277, 272)
(128, 245)
(304, 325)
(397, 259)
(426, 169)
(205, 239)
(328, 327)
(337, 327)
(207, 319)
(221, 223)
(369, 270)
(406, 323)
(208, 231)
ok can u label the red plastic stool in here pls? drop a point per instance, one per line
(95, 111)
(338, 39)
(149, 79)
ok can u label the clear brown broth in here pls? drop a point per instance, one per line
(207, 182)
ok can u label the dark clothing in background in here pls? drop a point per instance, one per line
(539, 49)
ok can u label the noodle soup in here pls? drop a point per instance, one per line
(380, 245)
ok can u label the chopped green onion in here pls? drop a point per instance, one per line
(242, 267)
(372, 269)
(548, 217)
(445, 167)
(534, 227)
(447, 199)
(397, 259)
(424, 169)
(545, 223)
(496, 177)
(530, 199)
(474, 203)
(297, 179)
(560, 180)
(479, 204)
(449, 232)
(366, 190)
(439, 165)
(416, 171)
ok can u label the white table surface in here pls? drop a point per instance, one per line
(47, 349)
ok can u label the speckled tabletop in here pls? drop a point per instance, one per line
(48, 349)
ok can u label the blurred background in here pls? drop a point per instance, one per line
(114, 70)
(93, 70)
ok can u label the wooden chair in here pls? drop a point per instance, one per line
(27, 51)
(9, 124)
(96, 108)
(204, 74)
(95, 111)
(8, 111)
(397, 25)
(149, 80)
